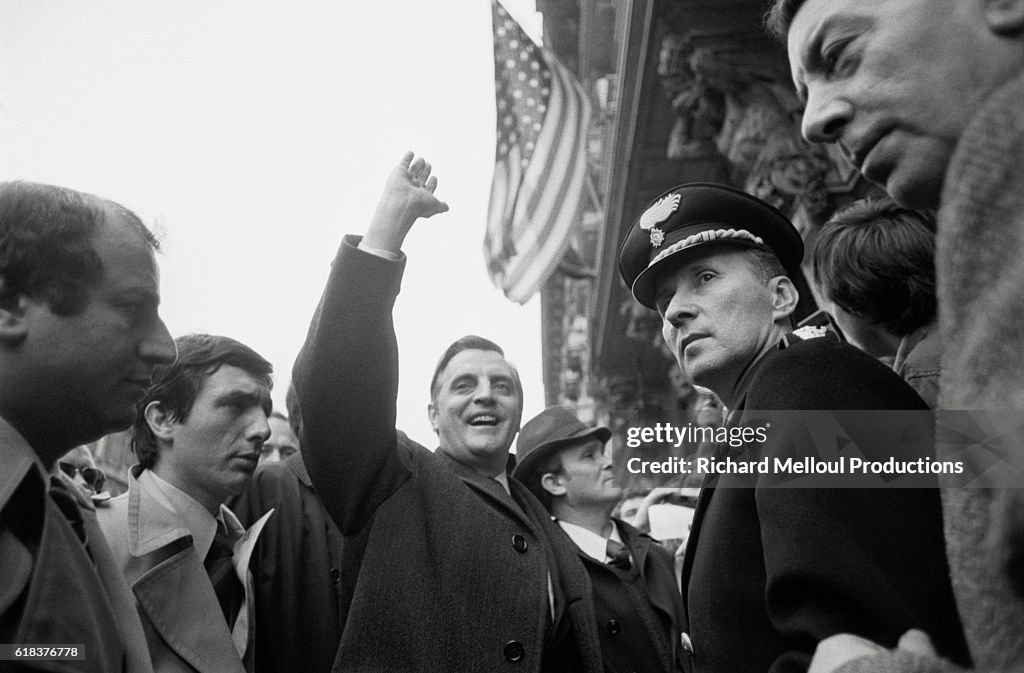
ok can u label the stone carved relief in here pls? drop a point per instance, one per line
(644, 327)
(699, 107)
(740, 109)
(642, 324)
(575, 360)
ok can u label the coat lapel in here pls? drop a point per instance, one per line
(193, 627)
(173, 590)
(640, 545)
(244, 631)
(574, 604)
(489, 489)
(706, 491)
(120, 595)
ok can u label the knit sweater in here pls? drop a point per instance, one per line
(980, 273)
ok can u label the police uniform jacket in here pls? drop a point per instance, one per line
(771, 571)
(448, 574)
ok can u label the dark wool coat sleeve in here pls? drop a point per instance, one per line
(346, 381)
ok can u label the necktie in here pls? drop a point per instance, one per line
(68, 507)
(618, 555)
(219, 566)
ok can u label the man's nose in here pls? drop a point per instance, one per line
(679, 310)
(157, 347)
(260, 427)
(484, 393)
(825, 118)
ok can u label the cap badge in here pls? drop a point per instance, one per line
(656, 214)
(811, 331)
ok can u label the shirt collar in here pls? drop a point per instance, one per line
(592, 544)
(200, 523)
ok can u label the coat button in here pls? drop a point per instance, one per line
(684, 638)
(519, 543)
(335, 575)
(514, 650)
(613, 627)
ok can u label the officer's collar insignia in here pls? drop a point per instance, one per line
(656, 214)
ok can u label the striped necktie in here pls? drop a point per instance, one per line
(221, 569)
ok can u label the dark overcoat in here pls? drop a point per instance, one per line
(639, 628)
(297, 570)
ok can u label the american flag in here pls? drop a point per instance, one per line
(541, 161)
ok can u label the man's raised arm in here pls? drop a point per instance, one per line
(346, 375)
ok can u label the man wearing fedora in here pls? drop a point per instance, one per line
(771, 570)
(636, 599)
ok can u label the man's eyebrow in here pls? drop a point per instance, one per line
(809, 61)
(245, 397)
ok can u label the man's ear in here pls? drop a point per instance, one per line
(159, 421)
(13, 309)
(784, 297)
(1004, 17)
(552, 483)
(432, 416)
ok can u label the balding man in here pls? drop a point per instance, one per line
(80, 336)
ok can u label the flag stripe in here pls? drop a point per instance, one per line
(555, 241)
(547, 245)
(540, 170)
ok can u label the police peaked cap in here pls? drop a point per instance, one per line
(695, 214)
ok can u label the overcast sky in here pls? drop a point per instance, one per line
(252, 135)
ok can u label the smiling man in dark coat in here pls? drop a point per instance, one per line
(770, 570)
(454, 567)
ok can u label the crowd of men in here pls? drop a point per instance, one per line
(365, 551)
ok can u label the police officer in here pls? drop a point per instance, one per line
(769, 571)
